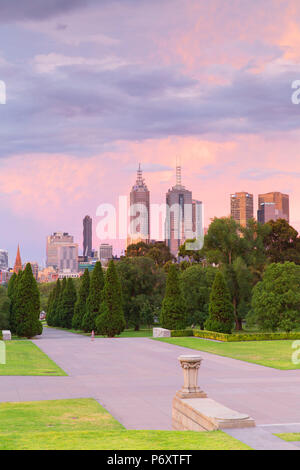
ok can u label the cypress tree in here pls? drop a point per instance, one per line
(111, 321)
(27, 305)
(94, 299)
(221, 315)
(11, 291)
(55, 304)
(49, 314)
(67, 304)
(173, 313)
(80, 307)
(58, 308)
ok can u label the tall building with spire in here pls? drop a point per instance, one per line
(18, 263)
(139, 211)
(184, 219)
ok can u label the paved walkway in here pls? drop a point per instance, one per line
(135, 379)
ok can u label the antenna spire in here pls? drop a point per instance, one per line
(178, 171)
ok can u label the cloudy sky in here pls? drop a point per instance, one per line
(96, 86)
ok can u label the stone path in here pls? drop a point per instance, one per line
(135, 379)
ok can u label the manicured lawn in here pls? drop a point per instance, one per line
(289, 436)
(25, 358)
(83, 424)
(275, 354)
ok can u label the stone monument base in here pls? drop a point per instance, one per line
(204, 414)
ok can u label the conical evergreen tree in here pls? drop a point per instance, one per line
(27, 305)
(94, 299)
(49, 314)
(111, 321)
(58, 308)
(173, 313)
(67, 304)
(55, 304)
(80, 307)
(11, 291)
(221, 316)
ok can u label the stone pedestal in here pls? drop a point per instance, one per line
(6, 335)
(193, 411)
(190, 366)
(161, 333)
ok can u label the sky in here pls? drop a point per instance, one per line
(95, 87)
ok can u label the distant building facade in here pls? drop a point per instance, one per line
(273, 206)
(4, 260)
(241, 207)
(139, 211)
(87, 236)
(105, 252)
(62, 253)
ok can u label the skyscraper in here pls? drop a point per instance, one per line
(4, 260)
(273, 206)
(18, 263)
(87, 236)
(183, 215)
(139, 211)
(241, 205)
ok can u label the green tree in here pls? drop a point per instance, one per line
(141, 280)
(11, 292)
(111, 321)
(222, 244)
(54, 306)
(94, 299)
(221, 317)
(239, 280)
(159, 252)
(4, 309)
(282, 242)
(276, 299)
(196, 283)
(67, 304)
(57, 308)
(173, 313)
(80, 307)
(27, 305)
(195, 255)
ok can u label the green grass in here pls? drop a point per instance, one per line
(289, 436)
(83, 424)
(276, 354)
(25, 358)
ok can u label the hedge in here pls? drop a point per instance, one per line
(235, 337)
(179, 333)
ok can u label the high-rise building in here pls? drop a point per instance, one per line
(105, 252)
(87, 236)
(273, 206)
(241, 205)
(184, 219)
(139, 211)
(4, 260)
(18, 263)
(62, 252)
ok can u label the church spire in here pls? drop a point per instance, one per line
(18, 264)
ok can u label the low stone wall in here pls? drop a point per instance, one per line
(161, 333)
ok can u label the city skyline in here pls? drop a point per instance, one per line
(143, 94)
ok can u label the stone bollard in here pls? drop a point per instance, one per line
(190, 366)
